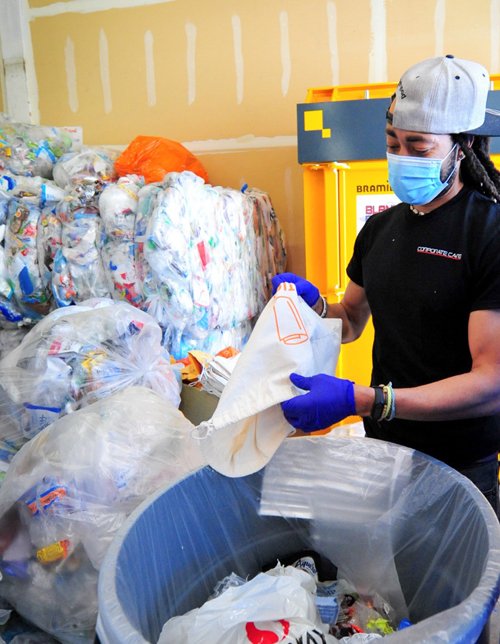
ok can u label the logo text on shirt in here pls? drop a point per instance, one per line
(448, 254)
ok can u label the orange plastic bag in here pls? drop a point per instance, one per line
(153, 156)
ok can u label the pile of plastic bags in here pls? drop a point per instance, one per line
(76, 356)
(109, 272)
(89, 427)
(69, 490)
(242, 610)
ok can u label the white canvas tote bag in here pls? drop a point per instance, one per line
(248, 424)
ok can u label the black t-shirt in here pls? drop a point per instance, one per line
(423, 275)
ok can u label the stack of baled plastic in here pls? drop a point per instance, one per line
(205, 256)
(28, 154)
(27, 206)
(198, 257)
(118, 207)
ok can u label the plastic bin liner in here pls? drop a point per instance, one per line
(69, 489)
(393, 520)
(75, 356)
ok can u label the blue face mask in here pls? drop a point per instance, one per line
(417, 180)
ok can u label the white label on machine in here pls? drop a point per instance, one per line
(368, 205)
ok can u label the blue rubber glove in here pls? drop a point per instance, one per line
(307, 291)
(329, 400)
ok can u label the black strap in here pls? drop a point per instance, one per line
(378, 404)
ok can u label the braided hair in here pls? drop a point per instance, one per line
(477, 169)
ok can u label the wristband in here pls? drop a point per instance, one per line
(390, 402)
(324, 310)
(378, 404)
(384, 405)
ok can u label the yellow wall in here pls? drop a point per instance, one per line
(224, 76)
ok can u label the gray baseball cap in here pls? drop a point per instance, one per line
(445, 95)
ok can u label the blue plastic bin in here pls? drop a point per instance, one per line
(393, 520)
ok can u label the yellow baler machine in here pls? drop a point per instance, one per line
(341, 148)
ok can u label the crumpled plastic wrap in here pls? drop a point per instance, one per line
(75, 356)
(31, 150)
(35, 189)
(85, 166)
(68, 491)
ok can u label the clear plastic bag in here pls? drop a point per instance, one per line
(78, 273)
(10, 338)
(75, 356)
(277, 605)
(69, 490)
(37, 190)
(31, 150)
(31, 293)
(118, 207)
(86, 166)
